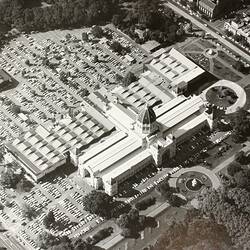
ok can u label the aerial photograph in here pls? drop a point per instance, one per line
(125, 124)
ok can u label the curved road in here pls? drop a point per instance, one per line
(209, 30)
(211, 175)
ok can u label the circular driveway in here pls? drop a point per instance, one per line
(240, 92)
(212, 176)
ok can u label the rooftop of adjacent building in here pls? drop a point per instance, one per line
(43, 147)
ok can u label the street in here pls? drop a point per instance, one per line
(209, 30)
(10, 243)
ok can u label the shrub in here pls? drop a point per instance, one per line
(144, 204)
(100, 235)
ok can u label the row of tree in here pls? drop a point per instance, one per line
(60, 14)
(46, 240)
(158, 22)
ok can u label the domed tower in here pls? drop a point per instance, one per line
(146, 121)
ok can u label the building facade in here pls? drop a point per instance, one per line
(209, 7)
(239, 27)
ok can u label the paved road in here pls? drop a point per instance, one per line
(212, 176)
(230, 159)
(209, 30)
(10, 243)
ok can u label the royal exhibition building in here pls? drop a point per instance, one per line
(118, 133)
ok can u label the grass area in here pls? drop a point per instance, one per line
(247, 104)
(193, 47)
(222, 97)
(224, 72)
(206, 44)
(185, 178)
(224, 56)
(200, 59)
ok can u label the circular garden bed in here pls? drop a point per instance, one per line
(221, 96)
(191, 183)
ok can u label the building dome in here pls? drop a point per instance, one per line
(147, 115)
(146, 120)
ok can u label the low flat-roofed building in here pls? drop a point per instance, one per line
(151, 46)
(42, 150)
(176, 69)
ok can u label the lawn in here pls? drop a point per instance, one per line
(224, 72)
(200, 59)
(224, 56)
(221, 96)
(206, 44)
(193, 47)
(185, 179)
(247, 104)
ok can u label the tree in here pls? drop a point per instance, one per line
(116, 19)
(241, 125)
(68, 36)
(95, 59)
(98, 203)
(123, 221)
(16, 109)
(126, 232)
(165, 190)
(144, 204)
(129, 78)
(196, 233)
(46, 240)
(224, 205)
(133, 216)
(238, 65)
(233, 168)
(97, 31)
(116, 47)
(80, 244)
(242, 179)
(176, 201)
(8, 178)
(27, 62)
(85, 37)
(118, 78)
(49, 219)
(28, 211)
(240, 157)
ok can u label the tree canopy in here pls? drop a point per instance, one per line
(194, 233)
(59, 14)
(98, 203)
(128, 79)
(229, 206)
(8, 178)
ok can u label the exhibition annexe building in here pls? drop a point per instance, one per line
(118, 133)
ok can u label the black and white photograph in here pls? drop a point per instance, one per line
(124, 124)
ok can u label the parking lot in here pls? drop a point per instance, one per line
(55, 71)
(63, 197)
